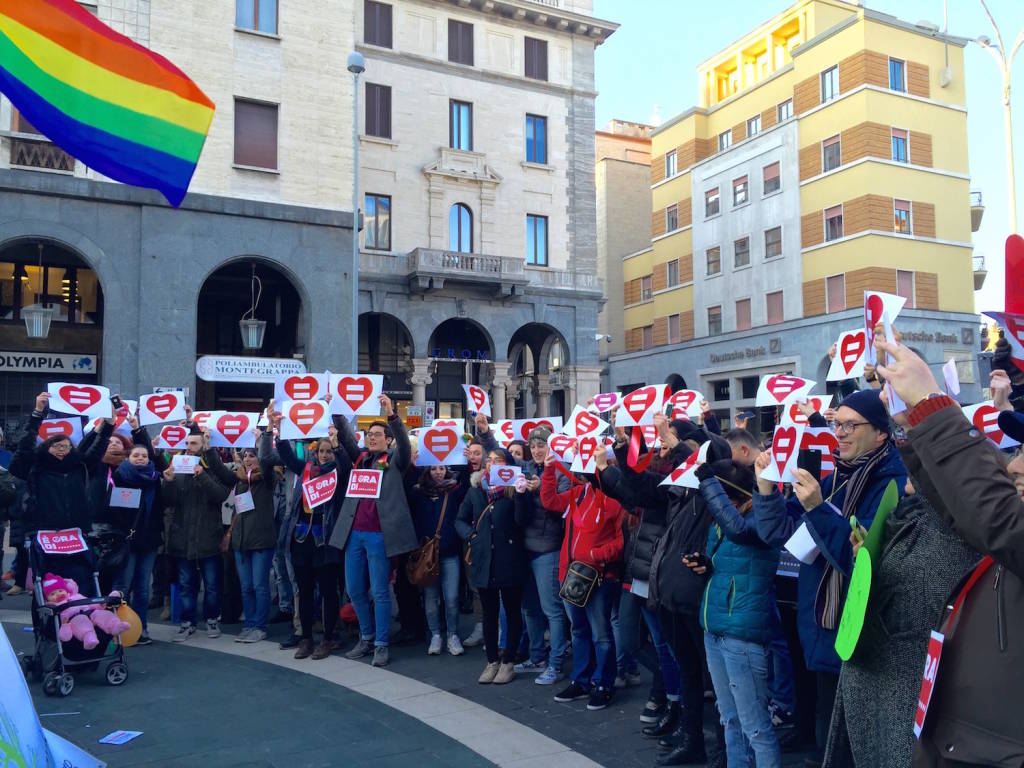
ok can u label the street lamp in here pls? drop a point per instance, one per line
(356, 65)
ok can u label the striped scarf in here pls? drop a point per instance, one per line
(859, 473)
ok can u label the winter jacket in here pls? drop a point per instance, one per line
(253, 529)
(739, 599)
(58, 489)
(975, 712)
(639, 551)
(7, 492)
(498, 556)
(542, 531)
(777, 520)
(146, 521)
(593, 531)
(392, 506)
(193, 503)
(427, 504)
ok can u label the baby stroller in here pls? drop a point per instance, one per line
(66, 553)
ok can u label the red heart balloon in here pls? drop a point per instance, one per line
(80, 398)
(440, 442)
(783, 446)
(354, 390)
(161, 405)
(850, 350)
(305, 416)
(301, 387)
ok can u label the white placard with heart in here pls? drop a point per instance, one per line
(850, 356)
(876, 306)
(229, 429)
(784, 451)
(685, 475)
(639, 406)
(582, 422)
(477, 399)
(356, 394)
(161, 408)
(779, 388)
(87, 400)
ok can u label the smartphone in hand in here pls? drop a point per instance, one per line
(810, 461)
(696, 560)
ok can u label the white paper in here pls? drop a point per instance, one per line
(70, 426)
(232, 429)
(305, 419)
(120, 737)
(801, 545)
(161, 408)
(522, 428)
(604, 402)
(582, 422)
(850, 356)
(640, 588)
(503, 475)
(785, 448)
(651, 438)
(791, 413)
(172, 437)
(184, 464)
(686, 401)
(477, 399)
(585, 461)
(896, 405)
(301, 386)
(87, 400)
(639, 406)
(985, 417)
(440, 446)
(685, 475)
(356, 394)
(121, 426)
(563, 446)
(779, 388)
(952, 377)
(244, 502)
(876, 305)
(126, 498)
(459, 425)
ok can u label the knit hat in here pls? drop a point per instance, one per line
(539, 433)
(52, 583)
(689, 430)
(868, 404)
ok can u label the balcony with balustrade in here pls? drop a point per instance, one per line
(37, 152)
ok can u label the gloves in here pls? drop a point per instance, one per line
(704, 472)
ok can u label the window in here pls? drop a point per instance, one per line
(714, 256)
(899, 145)
(739, 191)
(772, 179)
(897, 75)
(646, 287)
(460, 228)
(829, 84)
(672, 218)
(773, 303)
(670, 164)
(377, 224)
(785, 110)
(831, 154)
(741, 250)
(714, 321)
(773, 242)
(711, 202)
(460, 125)
(674, 335)
(834, 223)
(536, 58)
(376, 23)
(647, 337)
(901, 210)
(753, 126)
(905, 286)
(835, 293)
(460, 42)
(378, 110)
(743, 315)
(260, 15)
(725, 140)
(255, 134)
(536, 240)
(672, 273)
(536, 139)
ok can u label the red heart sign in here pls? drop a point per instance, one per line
(691, 463)
(506, 473)
(301, 387)
(650, 433)
(354, 390)
(199, 418)
(986, 418)
(639, 400)
(606, 401)
(561, 443)
(873, 309)
(851, 349)
(232, 426)
(797, 417)
(529, 426)
(79, 398)
(1014, 266)
(305, 416)
(440, 442)
(446, 423)
(682, 400)
(586, 422)
(506, 430)
(173, 435)
(588, 446)
(478, 396)
(782, 386)
(50, 428)
(825, 443)
(783, 446)
(161, 405)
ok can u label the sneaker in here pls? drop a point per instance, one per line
(243, 636)
(16, 590)
(476, 637)
(362, 648)
(255, 635)
(144, 639)
(185, 631)
(435, 646)
(8, 576)
(627, 679)
(600, 698)
(506, 674)
(525, 667)
(291, 642)
(780, 717)
(572, 692)
(455, 645)
(305, 649)
(212, 628)
(489, 673)
(165, 614)
(381, 656)
(549, 676)
(653, 711)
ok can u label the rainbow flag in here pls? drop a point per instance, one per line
(121, 109)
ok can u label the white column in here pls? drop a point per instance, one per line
(419, 379)
(500, 382)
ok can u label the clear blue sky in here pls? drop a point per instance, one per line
(648, 68)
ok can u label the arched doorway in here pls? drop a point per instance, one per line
(386, 347)
(225, 297)
(539, 359)
(459, 350)
(44, 273)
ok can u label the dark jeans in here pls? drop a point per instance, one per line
(491, 600)
(188, 579)
(411, 616)
(308, 576)
(827, 684)
(687, 641)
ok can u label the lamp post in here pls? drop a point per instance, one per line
(356, 65)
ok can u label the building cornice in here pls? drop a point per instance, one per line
(880, 233)
(542, 14)
(890, 163)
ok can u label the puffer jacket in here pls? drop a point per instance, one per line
(193, 506)
(739, 599)
(253, 529)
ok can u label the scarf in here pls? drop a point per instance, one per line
(144, 478)
(493, 494)
(859, 474)
(434, 490)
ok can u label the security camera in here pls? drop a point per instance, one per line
(600, 336)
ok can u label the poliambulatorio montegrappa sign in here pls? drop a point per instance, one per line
(255, 369)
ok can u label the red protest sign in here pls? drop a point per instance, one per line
(365, 483)
(320, 490)
(66, 542)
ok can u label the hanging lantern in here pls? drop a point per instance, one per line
(37, 321)
(252, 330)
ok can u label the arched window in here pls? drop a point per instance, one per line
(460, 229)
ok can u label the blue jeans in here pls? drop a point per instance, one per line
(781, 678)
(666, 660)
(593, 643)
(365, 553)
(189, 572)
(448, 586)
(137, 578)
(626, 629)
(254, 574)
(739, 671)
(543, 606)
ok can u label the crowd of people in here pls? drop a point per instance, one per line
(567, 574)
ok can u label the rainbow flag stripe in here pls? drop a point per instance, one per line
(120, 108)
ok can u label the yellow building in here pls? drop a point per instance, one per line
(828, 156)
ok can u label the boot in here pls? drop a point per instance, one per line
(671, 741)
(668, 722)
(690, 746)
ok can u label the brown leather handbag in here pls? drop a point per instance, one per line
(423, 568)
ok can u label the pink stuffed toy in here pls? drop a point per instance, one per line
(80, 622)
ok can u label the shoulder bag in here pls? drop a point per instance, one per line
(581, 579)
(423, 568)
(469, 548)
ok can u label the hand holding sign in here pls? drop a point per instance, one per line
(783, 454)
(356, 394)
(850, 357)
(157, 409)
(87, 400)
(477, 399)
(907, 374)
(503, 475)
(876, 306)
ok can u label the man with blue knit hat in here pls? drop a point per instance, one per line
(866, 461)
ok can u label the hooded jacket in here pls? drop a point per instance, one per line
(498, 556)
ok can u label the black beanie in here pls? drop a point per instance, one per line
(868, 403)
(688, 430)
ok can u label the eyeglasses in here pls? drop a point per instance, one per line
(376, 433)
(845, 427)
(61, 446)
